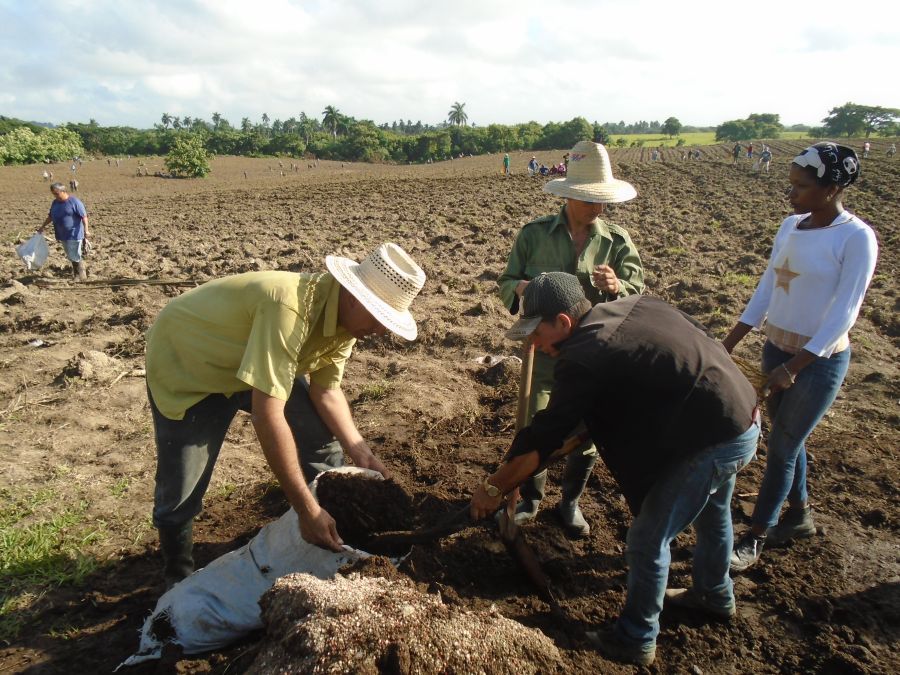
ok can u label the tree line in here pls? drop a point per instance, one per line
(343, 137)
(846, 120)
(335, 136)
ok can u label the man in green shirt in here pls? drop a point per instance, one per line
(247, 342)
(605, 261)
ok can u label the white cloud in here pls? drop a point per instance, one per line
(509, 61)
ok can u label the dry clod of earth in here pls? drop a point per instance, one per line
(94, 366)
(358, 624)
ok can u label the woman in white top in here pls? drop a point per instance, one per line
(806, 302)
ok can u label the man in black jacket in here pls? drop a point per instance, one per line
(675, 420)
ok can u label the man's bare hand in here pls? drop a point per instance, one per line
(364, 458)
(604, 279)
(318, 528)
(482, 504)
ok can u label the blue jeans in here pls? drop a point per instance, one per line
(696, 490)
(187, 449)
(794, 413)
(72, 247)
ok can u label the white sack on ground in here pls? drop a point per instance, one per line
(219, 603)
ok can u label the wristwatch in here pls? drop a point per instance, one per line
(491, 490)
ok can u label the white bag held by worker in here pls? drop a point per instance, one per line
(34, 252)
(219, 603)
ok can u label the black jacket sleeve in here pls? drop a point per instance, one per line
(571, 398)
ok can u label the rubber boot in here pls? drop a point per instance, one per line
(575, 477)
(79, 272)
(75, 271)
(531, 492)
(177, 546)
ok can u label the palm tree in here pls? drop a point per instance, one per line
(216, 120)
(306, 127)
(457, 114)
(166, 120)
(246, 125)
(345, 124)
(187, 122)
(331, 118)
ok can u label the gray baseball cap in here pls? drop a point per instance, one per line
(546, 296)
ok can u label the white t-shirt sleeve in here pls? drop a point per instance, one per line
(857, 269)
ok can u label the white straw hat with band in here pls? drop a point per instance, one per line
(589, 177)
(386, 283)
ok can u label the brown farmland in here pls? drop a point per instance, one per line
(81, 436)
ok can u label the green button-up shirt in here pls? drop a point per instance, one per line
(544, 245)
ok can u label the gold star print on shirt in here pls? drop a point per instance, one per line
(784, 276)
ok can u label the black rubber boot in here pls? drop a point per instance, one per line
(177, 546)
(531, 492)
(575, 477)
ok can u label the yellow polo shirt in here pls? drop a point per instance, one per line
(255, 330)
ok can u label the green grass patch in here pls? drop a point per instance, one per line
(690, 139)
(374, 391)
(736, 279)
(225, 490)
(676, 251)
(43, 542)
(120, 487)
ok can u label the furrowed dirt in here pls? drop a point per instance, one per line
(82, 437)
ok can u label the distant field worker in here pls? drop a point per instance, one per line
(765, 158)
(891, 151)
(506, 164)
(70, 226)
(806, 303)
(606, 262)
(735, 153)
(247, 342)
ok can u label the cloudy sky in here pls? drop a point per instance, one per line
(703, 61)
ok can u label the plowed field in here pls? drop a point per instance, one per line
(79, 441)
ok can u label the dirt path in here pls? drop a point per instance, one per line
(82, 443)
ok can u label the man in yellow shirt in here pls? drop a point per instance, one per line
(246, 342)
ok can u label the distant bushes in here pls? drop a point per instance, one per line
(24, 146)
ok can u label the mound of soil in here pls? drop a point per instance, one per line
(359, 624)
(363, 506)
(374, 566)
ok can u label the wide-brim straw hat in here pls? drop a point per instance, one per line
(386, 283)
(589, 178)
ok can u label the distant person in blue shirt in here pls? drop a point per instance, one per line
(70, 225)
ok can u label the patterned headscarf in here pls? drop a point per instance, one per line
(833, 163)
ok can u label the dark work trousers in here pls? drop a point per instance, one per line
(187, 449)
